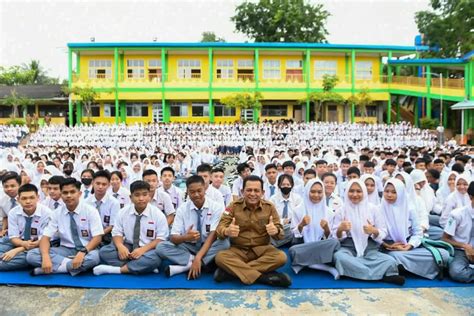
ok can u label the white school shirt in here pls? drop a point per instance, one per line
(460, 225)
(153, 225)
(88, 223)
(109, 208)
(176, 195)
(237, 187)
(162, 201)
(6, 205)
(50, 203)
(334, 202)
(226, 193)
(295, 202)
(17, 221)
(122, 195)
(186, 216)
(266, 188)
(214, 195)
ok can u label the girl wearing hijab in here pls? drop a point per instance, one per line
(426, 192)
(38, 172)
(137, 171)
(312, 222)
(371, 185)
(360, 228)
(404, 233)
(445, 189)
(26, 176)
(459, 198)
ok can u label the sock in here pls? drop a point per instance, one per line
(177, 269)
(105, 269)
(38, 271)
(327, 268)
(63, 266)
(156, 271)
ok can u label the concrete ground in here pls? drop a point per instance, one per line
(69, 301)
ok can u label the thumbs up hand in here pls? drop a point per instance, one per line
(192, 235)
(370, 229)
(272, 230)
(233, 229)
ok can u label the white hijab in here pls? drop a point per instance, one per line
(444, 191)
(358, 215)
(374, 197)
(461, 199)
(397, 214)
(426, 192)
(316, 211)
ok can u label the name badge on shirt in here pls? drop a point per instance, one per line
(107, 219)
(84, 233)
(150, 233)
(208, 228)
(34, 231)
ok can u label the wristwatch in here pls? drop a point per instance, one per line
(84, 250)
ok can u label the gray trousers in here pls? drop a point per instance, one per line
(179, 254)
(306, 254)
(58, 254)
(459, 269)
(148, 262)
(16, 263)
(288, 239)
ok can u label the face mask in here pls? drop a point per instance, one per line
(86, 181)
(285, 190)
(67, 172)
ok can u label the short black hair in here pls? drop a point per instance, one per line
(87, 170)
(149, 172)
(470, 189)
(288, 177)
(241, 167)
(216, 170)
(309, 171)
(139, 185)
(369, 164)
(289, 163)
(70, 181)
(194, 179)
(27, 188)
(205, 167)
(352, 170)
(437, 160)
(252, 178)
(117, 173)
(270, 166)
(459, 168)
(434, 173)
(390, 162)
(56, 180)
(420, 160)
(363, 158)
(102, 174)
(321, 162)
(11, 175)
(328, 175)
(167, 168)
(346, 161)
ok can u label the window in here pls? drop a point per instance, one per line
(52, 110)
(200, 109)
(137, 109)
(154, 70)
(294, 64)
(179, 109)
(135, 69)
(245, 69)
(189, 68)
(271, 69)
(100, 69)
(275, 110)
(6, 111)
(222, 110)
(324, 67)
(294, 70)
(95, 110)
(371, 111)
(363, 70)
(109, 110)
(225, 69)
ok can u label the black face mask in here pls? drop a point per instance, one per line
(67, 172)
(86, 181)
(285, 190)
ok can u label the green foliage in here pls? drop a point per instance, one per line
(210, 37)
(362, 100)
(31, 73)
(282, 20)
(17, 122)
(243, 100)
(429, 123)
(15, 101)
(86, 94)
(326, 96)
(449, 26)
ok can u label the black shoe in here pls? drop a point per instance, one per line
(275, 279)
(220, 275)
(168, 272)
(394, 279)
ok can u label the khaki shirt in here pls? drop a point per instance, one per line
(252, 224)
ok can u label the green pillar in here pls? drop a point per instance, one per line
(123, 111)
(116, 72)
(211, 75)
(164, 75)
(445, 116)
(467, 81)
(353, 56)
(389, 68)
(389, 109)
(255, 115)
(308, 79)
(428, 87)
(416, 117)
(397, 70)
(255, 66)
(69, 63)
(78, 113)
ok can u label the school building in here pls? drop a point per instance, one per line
(184, 82)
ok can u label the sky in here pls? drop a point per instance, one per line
(40, 30)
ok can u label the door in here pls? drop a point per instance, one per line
(246, 114)
(157, 112)
(332, 113)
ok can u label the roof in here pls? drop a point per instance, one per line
(463, 105)
(52, 91)
(427, 61)
(247, 45)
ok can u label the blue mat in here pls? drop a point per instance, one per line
(306, 279)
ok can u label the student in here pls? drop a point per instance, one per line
(107, 206)
(404, 233)
(217, 181)
(313, 222)
(11, 183)
(204, 171)
(243, 170)
(286, 202)
(459, 232)
(360, 228)
(139, 228)
(459, 198)
(86, 180)
(80, 232)
(352, 174)
(270, 183)
(433, 177)
(371, 184)
(321, 168)
(333, 200)
(289, 168)
(159, 198)
(175, 193)
(53, 201)
(193, 242)
(117, 190)
(425, 191)
(26, 224)
(308, 175)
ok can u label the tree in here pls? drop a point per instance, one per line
(86, 94)
(15, 75)
(326, 96)
(282, 20)
(243, 101)
(210, 37)
(15, 101)
(362, 100)
(448, 26)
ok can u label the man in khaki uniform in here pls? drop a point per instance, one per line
(250, 222)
